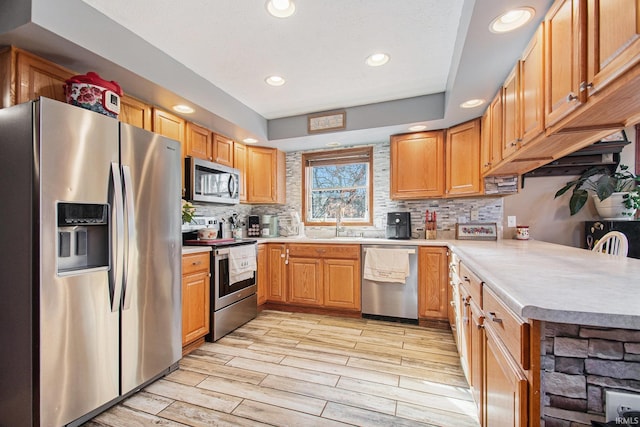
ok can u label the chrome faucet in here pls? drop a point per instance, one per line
(339, 227)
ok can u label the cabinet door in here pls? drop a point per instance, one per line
(433, 283)
(476, 355)
(417, 165)
(505, 387)
(511, 122)
(305, 281)
(614, 40)
(341, 283)
(263, 274)
(464, 331)
(463, 159)
(276, 285)
(199, 142)
(497, 130)
(173, 127)
(37, 77)
(195, 306)
(222, 150)
(265, 175)
(240, 163)
(485, 142)
(532, 89)
(135, 112)
(565, 46)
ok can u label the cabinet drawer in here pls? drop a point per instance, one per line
(339, 251)
(511, 330)
(472, 284)
(195, 262)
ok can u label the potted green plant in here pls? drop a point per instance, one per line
(188, 211)
(616, 194)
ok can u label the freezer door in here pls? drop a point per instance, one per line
(78, 351)
(151, 311)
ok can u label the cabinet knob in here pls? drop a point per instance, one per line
(514, 143)
(492, 316)
(584, 86)
(466, 279)
(571, 97)
(196, 263)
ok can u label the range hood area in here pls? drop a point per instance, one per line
(605, 152)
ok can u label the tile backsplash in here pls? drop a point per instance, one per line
(449, 211)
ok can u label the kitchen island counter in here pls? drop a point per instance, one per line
(557, 283)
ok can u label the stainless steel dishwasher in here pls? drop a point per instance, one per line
(392, 300)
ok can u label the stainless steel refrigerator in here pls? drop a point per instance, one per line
(90, 268)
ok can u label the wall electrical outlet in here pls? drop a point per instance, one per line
(475, 215)
(511, 221)
(616, 403)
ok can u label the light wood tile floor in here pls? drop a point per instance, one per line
(294, 369)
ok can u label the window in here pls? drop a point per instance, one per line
(337, 182)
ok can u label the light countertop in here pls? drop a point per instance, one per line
(539, 280)
(195, 249)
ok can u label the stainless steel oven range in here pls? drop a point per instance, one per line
(233, 281)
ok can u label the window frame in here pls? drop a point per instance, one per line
(336, 157)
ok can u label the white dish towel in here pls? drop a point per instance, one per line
(386, 265)
(242, 262)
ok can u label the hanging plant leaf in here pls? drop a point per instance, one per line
(578, 200)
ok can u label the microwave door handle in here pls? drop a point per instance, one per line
(117, 248)
(131, 235)
(232, 185)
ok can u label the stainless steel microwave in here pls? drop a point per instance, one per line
(210, 182)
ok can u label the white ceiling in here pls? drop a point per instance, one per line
(215, 55)
(320, 50)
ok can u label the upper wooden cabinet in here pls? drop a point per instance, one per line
(37, 77)
(266, 178)
(433, 282)
(511, 118)
(565, 56)
(531, 88)
(463, 159)
(613, 40)
(171, 126)
(240, 163)
(485, 142)
(222, 150)
(199, 142)
(135, 112)
(417, 165)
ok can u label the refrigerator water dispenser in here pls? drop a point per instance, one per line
(83, 237)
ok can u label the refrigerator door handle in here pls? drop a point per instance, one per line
(131, 233)
(118, 248)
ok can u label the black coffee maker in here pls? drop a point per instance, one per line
(399, 225)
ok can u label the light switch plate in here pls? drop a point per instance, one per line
(511, 221)
(475, 215)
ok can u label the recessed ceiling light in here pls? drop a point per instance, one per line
(184, 109)
(333, 144)
(417, 128)
(281, 8)
(274, 80)
(472, 103)
(377, 59)
(511, 20)
(249, 140)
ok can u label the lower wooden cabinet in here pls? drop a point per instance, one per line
(326, 276)
(195, 299)
(505, 387)
(277, 273)
(305, 281)
(263, 274)
(433, 301)
(342, 283)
